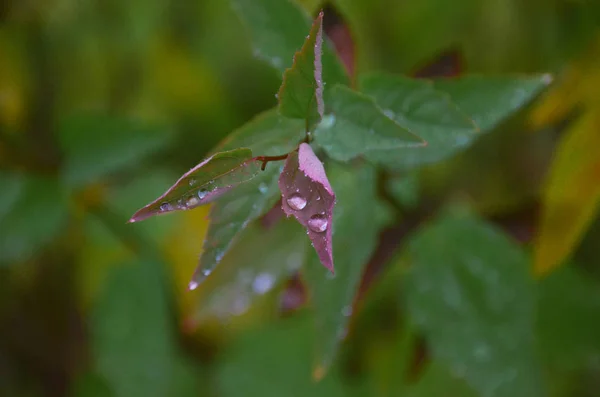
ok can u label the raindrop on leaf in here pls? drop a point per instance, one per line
(317, 223)
(296, 202)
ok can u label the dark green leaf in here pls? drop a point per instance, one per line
(489, 100)
(568, 322)
(406, 189)
(469, 291)
(274, 361)
(301, 93)
(417, 106)
(97, 145)
(230, 215)
(277, 29)
(438, 381)
(258, 262)
(357, 126)
(33, 214)
(268, 134)
(357, 222)
(204, 183)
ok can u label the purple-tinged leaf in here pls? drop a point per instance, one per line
(204, 183)
(301, 93)
(308, 196)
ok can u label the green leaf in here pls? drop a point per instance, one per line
(97, 145)
(470, 293)
(274, 361)
(301, 93)
(277, 29)
(33, 213)
(230, 215)
(439, 381)
(417, 106)
(268, 134)
(357, 222)
(567, 319)
(489, 99)
(258, 262)
(357, 126)
(204, 183)
(132, 340)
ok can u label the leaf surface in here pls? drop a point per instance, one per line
(308, 196)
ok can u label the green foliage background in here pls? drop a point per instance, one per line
(104, 103)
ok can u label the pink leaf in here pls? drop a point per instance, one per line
(308, 196)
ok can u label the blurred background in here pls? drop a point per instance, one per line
(104, 103)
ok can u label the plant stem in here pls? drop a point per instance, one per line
(266, 159)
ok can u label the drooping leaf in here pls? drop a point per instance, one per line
(307, 195)
(489, 100)
(301, 93)
(204, 183)
(274, 361)
(268, 134)
(356, 126)
(258, 262)
(231, 214)
(277, 28)
(572, 195)
(357, 222)
(469, 291)
(417, 106)
(97, 145)
(33, 212)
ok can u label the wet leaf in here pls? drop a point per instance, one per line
(97, 145)
(307, 195)
(417, 106)
(268, 134)
(274, 361)
(357, 222)
(356, 126)
(204, 183)
(469, 291)
(276, 30)
(257, 263)
(572, 195)
(488, 100)
(232, 214)
(33, 213)
(301, 93)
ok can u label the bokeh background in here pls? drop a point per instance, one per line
(104, 103)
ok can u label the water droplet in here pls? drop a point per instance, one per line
(206, 272)
(240, 305)
(263, 283)
(192, 202)
(347, 311)
(296, 202)
(192, 285)
(192, 182)
(219, 255)
(317, 223)
(328, 121)
(390, 114)
(263, 188)
(202, 194)
(165, 207)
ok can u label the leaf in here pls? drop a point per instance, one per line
(357, 222)
(274, 361)
(301, 93)
(572, 194)
(276, 29)
(489, 100)
(97, 145)
(204, 183)
(357, 126)
(567, 319)
(257, 263)
(33, 213)
(418, 107)
(307, 195)
(470, 293)
(268, 134)
(232, 214)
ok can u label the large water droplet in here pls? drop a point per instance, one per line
(317, 223)
(165, 207)
(192, 285)
(297, 202)
(263, 283)
(202, 193)
(192, 201)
